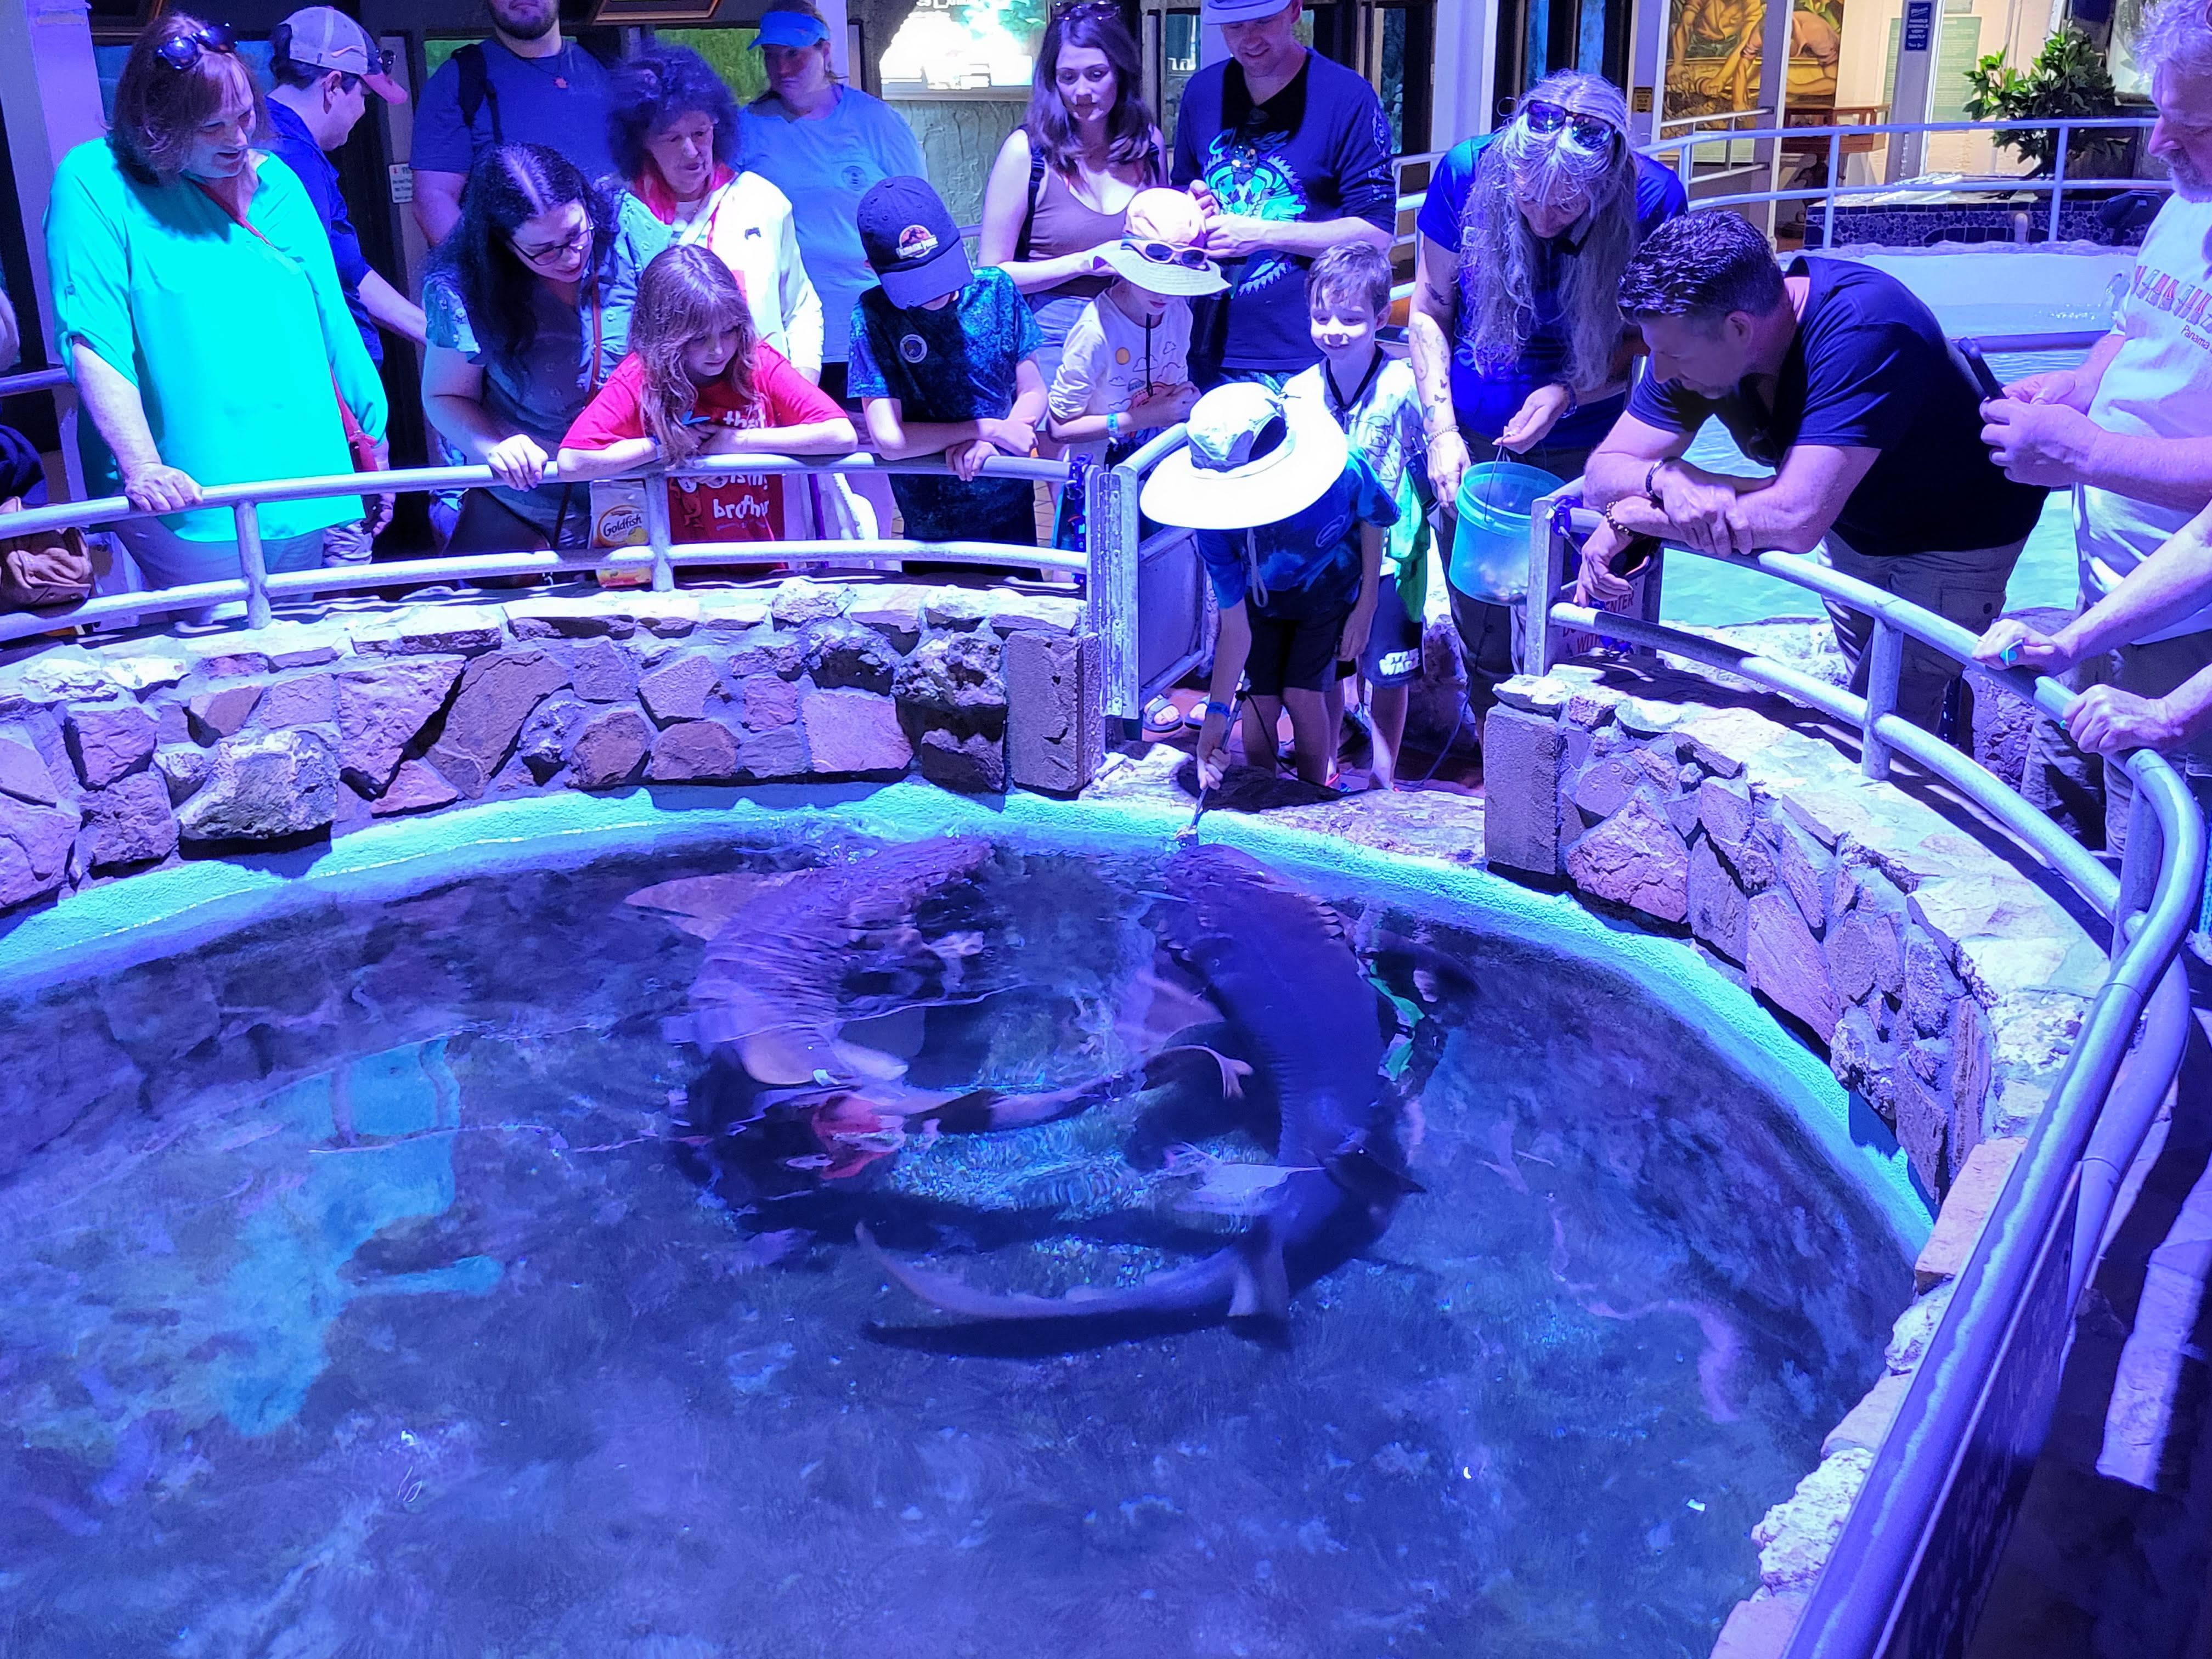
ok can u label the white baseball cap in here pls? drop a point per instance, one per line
(1218, 12)
(328, 38)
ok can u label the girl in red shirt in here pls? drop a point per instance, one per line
(698, 383)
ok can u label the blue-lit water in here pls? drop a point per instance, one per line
(378, 1290)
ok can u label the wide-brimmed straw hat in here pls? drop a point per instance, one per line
(1158, 246)
(1253, 458)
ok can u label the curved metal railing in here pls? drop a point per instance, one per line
(1684, 146)
(1907, 1574)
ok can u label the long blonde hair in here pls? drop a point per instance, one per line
(1498, 254)
(684, 295)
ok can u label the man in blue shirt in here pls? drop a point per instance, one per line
(1289, 154)
(324, 65)
(526, 85)
(1836, 376)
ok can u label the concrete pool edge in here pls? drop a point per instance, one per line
(162, 911)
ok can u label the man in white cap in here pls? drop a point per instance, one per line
(1289, 156)
(324, 66)
(1290, 521)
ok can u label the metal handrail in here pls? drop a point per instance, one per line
(1906, 1572)
(1685, 145)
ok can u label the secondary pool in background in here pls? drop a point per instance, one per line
(386, 1304)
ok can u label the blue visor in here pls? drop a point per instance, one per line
(791, 28)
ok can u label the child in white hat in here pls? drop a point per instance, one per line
(1290, 521)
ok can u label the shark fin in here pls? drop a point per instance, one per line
(701, 905)
(1262, 1286)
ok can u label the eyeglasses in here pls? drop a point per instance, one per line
(181, 51)
(575, 243)
(1163, 253)
(1590, 132)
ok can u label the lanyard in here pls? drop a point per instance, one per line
(1342, 407)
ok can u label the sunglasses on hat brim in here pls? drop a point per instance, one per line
(1166, 253)
(1589, 132)
(181, 51)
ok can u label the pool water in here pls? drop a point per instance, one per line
(383, 1290)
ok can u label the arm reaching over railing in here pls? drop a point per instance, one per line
(149, 483)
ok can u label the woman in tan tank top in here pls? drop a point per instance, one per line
(1064, 178)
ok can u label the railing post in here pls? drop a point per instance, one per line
(658, 535)
(1835, 166)
(1885, 662)
(1110, 511)
(2058, 180)
(1546, 522)
(246, 515)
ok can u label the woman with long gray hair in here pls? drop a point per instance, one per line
(1518, 345)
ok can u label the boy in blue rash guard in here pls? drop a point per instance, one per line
(1290, 523)
(944, 360)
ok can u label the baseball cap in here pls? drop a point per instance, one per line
(790, 28)
(911, 242)
(328, 38)
(1218, 12)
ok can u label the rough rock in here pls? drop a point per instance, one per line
(107, 740)
(853, 732)
(1520, 825)
(763, 652)
(496, 695)
(221, 713)
(1931, 989)
(1759, 1628)
(954, 674)
(580, 617)
(1864, 954)
(303, 700)
(1966, 1208)
(23, 774)
(1605, 788)
(893, 612)
(34, 849)
(148, 674)
(799, 601)
(543, 745)
(609, 751)
(1055, 735)
(1804, 867)
(1909, 1336)
(1720, 915)
(130, 821)
(974, 764)
(1635, 858)
(1796, 1535)
(844, 653)
(1014, 613)
(1862, 1060)
(769, 701)
(380, 711)
(416, 787)
(264, 785)
(431, 629)
(603, 672)
(681, 688)
(694, 752)
(1784, 961)
(184, 768)
(1725, 810)
(957, 608)
(780, 753)
(1865, 1424)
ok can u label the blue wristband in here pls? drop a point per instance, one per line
(1220, 708)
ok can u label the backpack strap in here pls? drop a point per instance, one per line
(1029, 215)
(476, 90)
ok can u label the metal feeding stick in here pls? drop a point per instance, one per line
(1188, 833)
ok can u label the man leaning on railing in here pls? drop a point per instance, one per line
(2131, 431)
(1835, 375)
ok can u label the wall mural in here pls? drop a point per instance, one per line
(1713, 50)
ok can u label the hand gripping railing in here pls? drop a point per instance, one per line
(1906, 1577)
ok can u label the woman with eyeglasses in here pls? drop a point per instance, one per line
(198, 310)
(1064, 179)
(1518, 345)
(672, 127)
(528, 304)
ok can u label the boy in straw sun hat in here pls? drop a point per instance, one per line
(1125, 371)
(1290, 522)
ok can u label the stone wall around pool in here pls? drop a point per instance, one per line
(131, 754)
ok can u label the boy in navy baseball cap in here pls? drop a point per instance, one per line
(944, 360)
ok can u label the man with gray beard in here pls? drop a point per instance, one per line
(2131, 431)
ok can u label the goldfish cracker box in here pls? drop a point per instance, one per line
(618, 520)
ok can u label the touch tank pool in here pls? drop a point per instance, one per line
(507, 1244)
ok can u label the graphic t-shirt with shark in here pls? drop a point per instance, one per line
(1318, 149)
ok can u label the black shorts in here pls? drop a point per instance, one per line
(1392, 656)
(1293, 654)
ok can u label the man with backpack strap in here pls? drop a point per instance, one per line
(526, 85)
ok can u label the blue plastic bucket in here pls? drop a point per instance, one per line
(1490, 549)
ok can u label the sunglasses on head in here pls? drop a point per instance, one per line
(1098, 9)
(181, 51)
(1164, 253)
(1589, 132)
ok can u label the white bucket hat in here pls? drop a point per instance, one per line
(1253, 458)
(1159, 248)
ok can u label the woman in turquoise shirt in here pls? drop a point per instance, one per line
(198, 311)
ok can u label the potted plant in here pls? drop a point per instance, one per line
(2069, 78)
